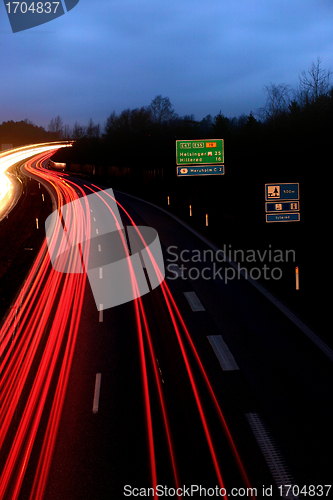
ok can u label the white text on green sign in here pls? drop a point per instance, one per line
(204, 152)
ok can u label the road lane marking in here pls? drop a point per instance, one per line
(271, 454)
(99, 248)
(96, 231)
(97, 392)
(223, 354)
(100, 273)
(194, 301)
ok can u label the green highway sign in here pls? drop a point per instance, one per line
(200, 152)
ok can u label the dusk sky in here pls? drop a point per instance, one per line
(206, 56)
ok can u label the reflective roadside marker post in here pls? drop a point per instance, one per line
(168, 200)
(297, 277)
(37, 223)
(190, 210)
(206, 219)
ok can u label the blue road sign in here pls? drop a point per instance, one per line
(289, 206)
(282, 191)
(200, 170)
(286, 217)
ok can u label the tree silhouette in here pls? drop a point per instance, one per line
(161, 109)
(277, 101)
(313, 83)
(56, 126)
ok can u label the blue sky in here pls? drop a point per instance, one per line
(206, 56)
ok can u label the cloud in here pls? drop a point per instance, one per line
(205, 56)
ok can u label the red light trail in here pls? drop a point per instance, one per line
(45, 316)
(175, 313)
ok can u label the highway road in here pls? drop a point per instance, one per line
(202, 385)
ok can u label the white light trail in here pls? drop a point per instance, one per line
(9, 158)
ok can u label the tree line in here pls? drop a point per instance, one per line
(293, 120)
(23, 132)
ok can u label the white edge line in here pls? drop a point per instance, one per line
(271, 453)
(305, 329)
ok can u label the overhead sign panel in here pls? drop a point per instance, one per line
(200, 152)
(200, 170)
(283, 191)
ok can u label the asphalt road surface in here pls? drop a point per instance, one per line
(201, 383)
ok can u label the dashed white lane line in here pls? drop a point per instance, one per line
(223, 354)
(97, 392)
(99, 248)
(194, 301)
(96, 231)
(100, 273)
